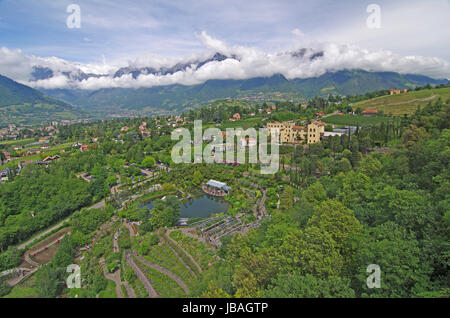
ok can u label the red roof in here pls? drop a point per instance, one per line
(370, 111)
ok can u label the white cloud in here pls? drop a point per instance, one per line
(212, 43)
(298, 32)
(252, 62)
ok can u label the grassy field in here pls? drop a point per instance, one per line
(21, 292)
(404, 103)
(19, 142)
(356, 120)
(25, 289)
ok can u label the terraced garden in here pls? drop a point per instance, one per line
(197, 249)
(163, 284)
(165, 257)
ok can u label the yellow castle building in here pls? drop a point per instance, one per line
(293, 134)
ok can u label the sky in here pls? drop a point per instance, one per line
(413, 37)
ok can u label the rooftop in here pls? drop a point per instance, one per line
(218, 185)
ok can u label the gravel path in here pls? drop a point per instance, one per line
(115, 277)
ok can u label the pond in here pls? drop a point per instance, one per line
(199, 207)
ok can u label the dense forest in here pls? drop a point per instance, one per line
(389, 209)
(39, 196)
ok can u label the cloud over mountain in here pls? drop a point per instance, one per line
(218, 61)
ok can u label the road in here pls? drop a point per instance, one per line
(98, 205)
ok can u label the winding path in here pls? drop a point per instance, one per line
(98, 205)
(115, 277)
(35, 265)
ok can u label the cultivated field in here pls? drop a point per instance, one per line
(404, 103)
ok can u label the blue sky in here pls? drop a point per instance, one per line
(125, 30)
(123, 27)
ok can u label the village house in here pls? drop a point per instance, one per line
(4, 175)
(236, 116)
(143, 126)
(84, 148)
(393, 91)
(369, 112)
(33, 151)
(51, 158)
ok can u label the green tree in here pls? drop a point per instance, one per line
(344, 165)
(295, 285)
(315, 193)
(287, 198)
(197, 178)
(148, 162)
(48, 282)
(397, 253)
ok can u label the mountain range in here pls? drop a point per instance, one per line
(20, 103)
(177, 98)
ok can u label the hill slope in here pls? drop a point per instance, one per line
(405, 103)
(178, 97)
(22, 104)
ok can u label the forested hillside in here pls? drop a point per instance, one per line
(390, 209)
(23, 104)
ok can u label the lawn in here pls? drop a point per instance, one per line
(356, 120)
(21, 292)
(19, 142)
